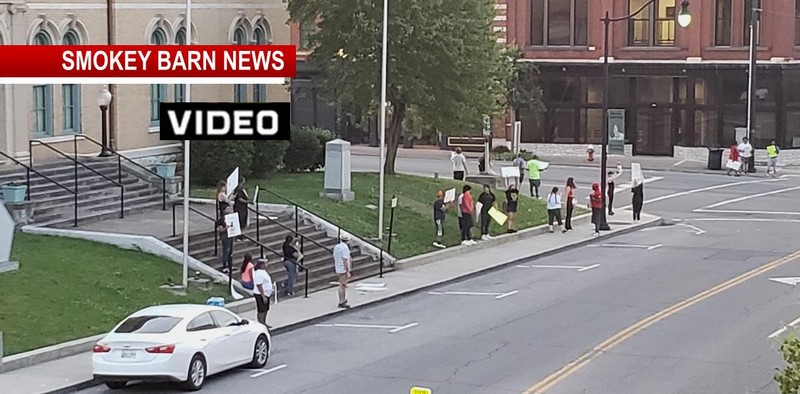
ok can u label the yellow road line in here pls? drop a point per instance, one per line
(574, 366)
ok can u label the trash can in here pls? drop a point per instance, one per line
(715, 158)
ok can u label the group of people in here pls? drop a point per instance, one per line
(741, 157)
(465, 207)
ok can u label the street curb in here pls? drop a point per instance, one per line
(409, 292)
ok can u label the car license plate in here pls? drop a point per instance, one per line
(128, 354)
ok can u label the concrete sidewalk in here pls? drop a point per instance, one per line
(652, 163)
(73, 373)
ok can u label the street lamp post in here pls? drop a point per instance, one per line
(684, 19)
(103, 101)
(382, 124)
(752, 97)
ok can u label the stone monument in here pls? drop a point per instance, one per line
(6, 240)
(337, 171)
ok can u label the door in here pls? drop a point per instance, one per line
(239, 340)
(212, 340)
(654, 129)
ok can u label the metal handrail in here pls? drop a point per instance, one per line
(339, 228)
(296, 233)
(28, 184)
(261, 245)
(129, 160)
(75, 160)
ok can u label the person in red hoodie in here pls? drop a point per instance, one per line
(734, 157)
(596, 204)
(466, 206)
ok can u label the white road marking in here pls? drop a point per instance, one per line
(371, 285)
(751, 196)
(694, 229)
(784, 328)
(568, 267)
(266, 371)
(474, 293)
(747, 220)
(504, 295)
(745, 212)
(401, 328)
(627, 246)
(628, 186)
(791, 281)
(705, 189)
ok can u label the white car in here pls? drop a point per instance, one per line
(179, 343)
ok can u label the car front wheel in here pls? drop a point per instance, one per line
(116, 385)
(197, 373)
(260, 353)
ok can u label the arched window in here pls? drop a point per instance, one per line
(71, 94)
(42, 97)
(180, 89)
(240, 91)
(260, 90)
(158, 93)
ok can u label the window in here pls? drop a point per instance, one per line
(654, 26)
(559, 22)
(71, 95)
(180, 89)
(158, 93)
(307, 29)
(148, 325)
(240, 91)
(224, 319)
(748, 16)
(260, 90)
(42, 97)
(722, 24)
(200, 323)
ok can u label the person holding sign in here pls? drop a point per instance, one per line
(612, 177)
(222, 198)
(534, 176)
(240, 202)
(512, 197)
(227, 242)
(486, 200)
(596, 205)
(466, 209)
(439, 214)
(638, 198)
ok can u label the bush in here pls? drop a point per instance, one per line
(789, 378)
(323, 136)
(508, 156)
(501, 149)
(212, 161)
(303, 151)
(268, 157)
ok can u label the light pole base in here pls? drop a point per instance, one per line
(105, 153)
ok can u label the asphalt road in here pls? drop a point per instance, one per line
(632, 309)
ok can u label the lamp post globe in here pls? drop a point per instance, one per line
(103, 101)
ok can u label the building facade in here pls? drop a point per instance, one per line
(678, 86)
(53, 113)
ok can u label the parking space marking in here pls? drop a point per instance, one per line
(504, 295)
(747, 220)
(392, 329)
(627, 246)
(497, 296)
(693, 229)
(266, 371)
(784, 328)
(711, 208)
(578, 268)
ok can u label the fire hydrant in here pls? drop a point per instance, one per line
(590, 151)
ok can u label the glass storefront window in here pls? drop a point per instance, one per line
(654, 90)
(705, 129)
(792, 130)
(591, 126)
(562, 126)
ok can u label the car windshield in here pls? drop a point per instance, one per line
(148, 324)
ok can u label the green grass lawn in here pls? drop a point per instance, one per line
(68, 288)
(413, 220)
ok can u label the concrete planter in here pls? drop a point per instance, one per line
(166, 170)
(14, 193)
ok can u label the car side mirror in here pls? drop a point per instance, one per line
(244, 322)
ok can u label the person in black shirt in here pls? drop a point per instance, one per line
(638, 199)
(227, 243)
(240, 201)
(512, 197)
(439, 213)
(291, 256)
(487, 200)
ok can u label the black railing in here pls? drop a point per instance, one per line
(75, 161)
(28, 170)
(249, 238)
(120, 157)
(339, 229)
(295, 231)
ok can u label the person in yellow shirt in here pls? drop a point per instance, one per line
(773, 150)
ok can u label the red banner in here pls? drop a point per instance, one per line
(144, 63)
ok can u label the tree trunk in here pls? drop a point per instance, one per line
(393, 132)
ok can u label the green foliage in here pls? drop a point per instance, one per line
(444, 61)
(510, 156)
(303, 151)
(789, 378)
(323, 136)
(268, 157)
(523, 88)
(213, 161)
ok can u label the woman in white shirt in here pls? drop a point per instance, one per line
(262, 290)
(553, 208)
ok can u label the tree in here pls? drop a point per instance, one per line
(523, 88)
(444, 60)
(789, 378)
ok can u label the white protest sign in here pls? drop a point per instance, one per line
(450, 195)
(234, 227)
(543, 165)
(478, 207)
(233, 181)
(636, 174)
(394, 202)
(510, 172)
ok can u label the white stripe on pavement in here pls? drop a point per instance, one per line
(746, 220)
(735, 211)
(266, 371)
(347, 325)
(705, 189)
(588, 268)
(784, 328)
(504, 295)
(626, 246)
(750, 197)
(401, 328)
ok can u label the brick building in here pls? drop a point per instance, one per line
(679, 86)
